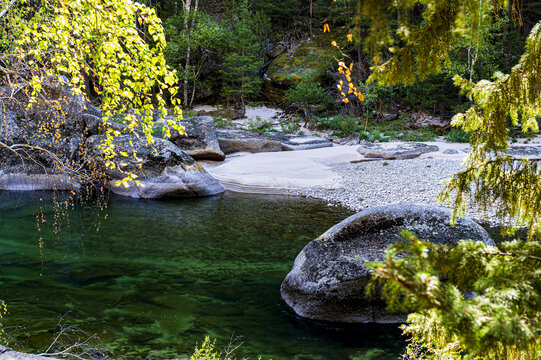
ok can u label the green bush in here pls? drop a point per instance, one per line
(376, 135)
(458, 135)
(340, 125)
(208, 351)
(221, 122)
(292, 126)
(259, 126)
(310, 97)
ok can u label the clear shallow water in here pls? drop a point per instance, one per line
(156, 277)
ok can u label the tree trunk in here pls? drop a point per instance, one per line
(189, 28)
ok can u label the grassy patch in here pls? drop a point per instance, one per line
(383, 131)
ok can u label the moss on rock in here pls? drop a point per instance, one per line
(310, 59)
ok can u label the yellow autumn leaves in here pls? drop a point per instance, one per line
(345, 71)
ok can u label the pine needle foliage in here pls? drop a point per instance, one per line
(424, 47)
(471, 301)
(493, 178)
(241, 65)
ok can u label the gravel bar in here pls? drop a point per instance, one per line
(374, 183)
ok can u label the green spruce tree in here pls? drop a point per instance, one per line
(470, 301)
(241, 64)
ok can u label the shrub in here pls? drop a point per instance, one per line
(310, 97)
(259, 125)
(340, 125)
(291, 127)
(458, 135)
(208, 351)
(221, 122)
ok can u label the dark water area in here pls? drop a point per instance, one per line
(154, 278)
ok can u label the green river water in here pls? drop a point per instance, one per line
(155, 277)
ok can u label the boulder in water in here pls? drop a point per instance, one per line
(328, 279)
(165, 170)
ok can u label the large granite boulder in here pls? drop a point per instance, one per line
(234, 140)
(19, 171)
(391, 151)
(59, 97)
(328, 279)
(310, 59)
(200, 140)
(163, 170)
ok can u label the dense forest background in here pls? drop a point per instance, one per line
(222, 51)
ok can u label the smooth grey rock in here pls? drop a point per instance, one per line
(92, 110)
(297, 142)
(328, 279)
(403, 151)
(200, 140)
(165, 170)
(234, 140)
(306, 143)
(8, 354)
(20, 181)
(450, 151)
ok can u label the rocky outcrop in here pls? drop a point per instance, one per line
(11, 130)
(328, 279)
(162, 169)
(392, 152)
(17, 172)
(310, 59)
(434, 123)
(60, 127)
(200, 140)
(234, 140)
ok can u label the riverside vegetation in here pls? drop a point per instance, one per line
(475, 62)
